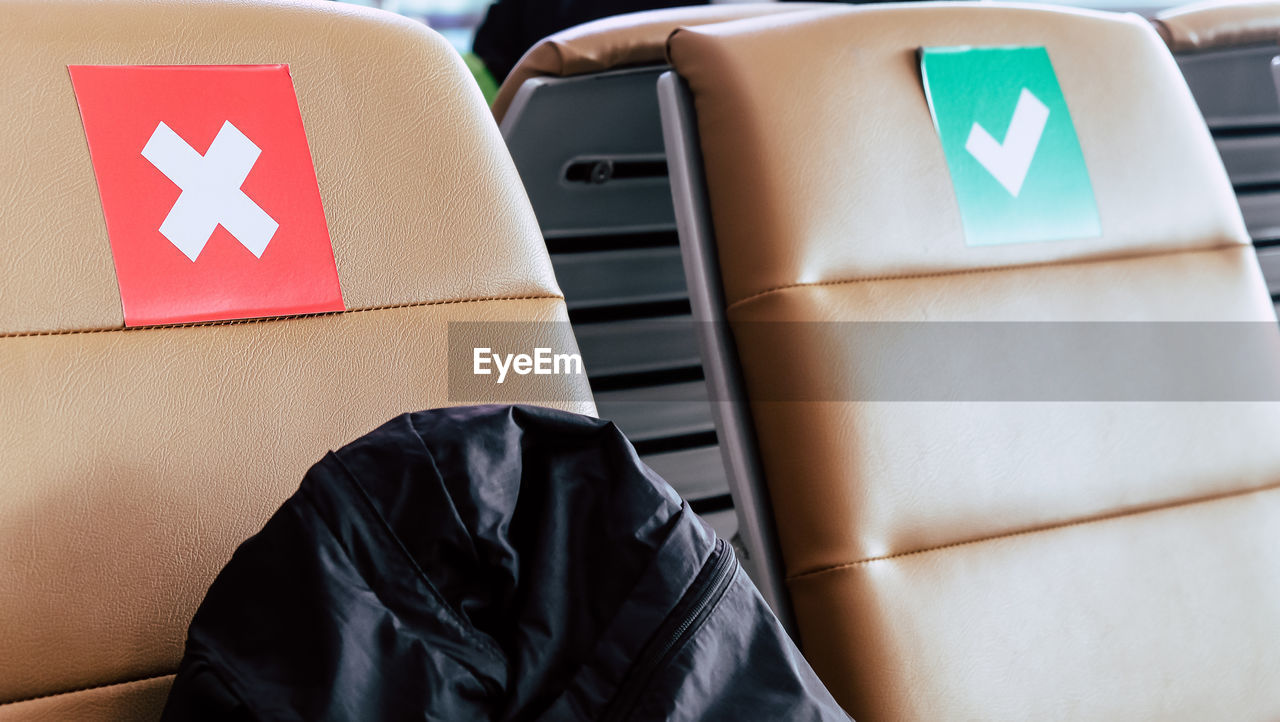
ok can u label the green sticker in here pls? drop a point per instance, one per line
(1015, 161)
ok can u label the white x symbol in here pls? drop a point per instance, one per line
(211, 192)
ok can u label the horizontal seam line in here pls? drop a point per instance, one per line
(986, 269)
(88, 688)
(265, 319)
(1051, 527)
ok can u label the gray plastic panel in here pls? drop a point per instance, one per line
(1251, 159)
(696, 473)
(725, 523)
(615, 278)
(1233, 87)
(590, 152)
(554, 122)
(734, 428)
(1261, 213)
(648, 412)
(638, 346)
(1269, 259)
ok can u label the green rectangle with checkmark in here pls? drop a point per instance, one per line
(1015, 161)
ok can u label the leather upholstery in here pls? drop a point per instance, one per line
(618, 42)
(132, 462)
(991, 560)
(1219, 24)
(124, 702)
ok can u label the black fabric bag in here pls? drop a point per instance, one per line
(489, 563)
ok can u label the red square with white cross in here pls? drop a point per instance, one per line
(210, 196)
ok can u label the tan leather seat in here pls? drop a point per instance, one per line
(621, 41)
(133, 461)
(1219, 24)
(1088, 560)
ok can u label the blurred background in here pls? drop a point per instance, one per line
(499, 31)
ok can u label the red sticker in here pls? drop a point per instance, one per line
(209, 192)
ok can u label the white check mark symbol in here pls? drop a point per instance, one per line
(1010, 160)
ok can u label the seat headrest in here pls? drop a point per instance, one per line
(416, 184)
(1219, 24)
(620, 41)
(846, 173)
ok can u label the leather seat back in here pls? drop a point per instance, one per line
(134, 460)
(989, 559)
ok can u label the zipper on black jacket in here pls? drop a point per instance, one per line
(691, 612)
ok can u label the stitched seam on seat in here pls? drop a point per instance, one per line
(986, 269)
(243, 321)
(1050, 527)
(87, 689)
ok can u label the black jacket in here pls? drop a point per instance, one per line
(489, 563)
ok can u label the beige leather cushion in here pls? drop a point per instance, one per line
(137, 700)
(620, 41)
(979, 560)
(1219, 24)
(132, 462)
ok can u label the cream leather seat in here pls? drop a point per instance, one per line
(983, 559)
(133, 461)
